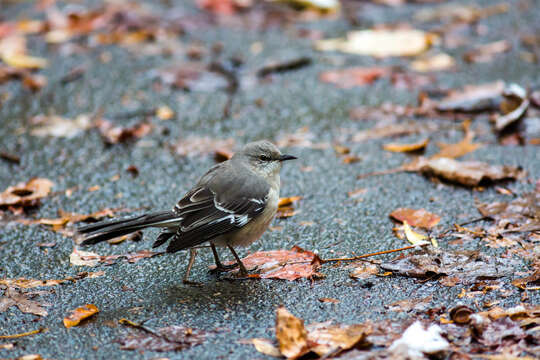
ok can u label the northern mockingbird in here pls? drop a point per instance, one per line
(231, 205)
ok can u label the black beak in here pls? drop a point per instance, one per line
(286, 157)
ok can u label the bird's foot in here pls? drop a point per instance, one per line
(192, 283)
(223, 268)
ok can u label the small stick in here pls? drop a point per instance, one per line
(135, 325)
(28, 333)
(373, 254)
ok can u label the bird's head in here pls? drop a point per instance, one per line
(263, 157)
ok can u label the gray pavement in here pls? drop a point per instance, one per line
(152, 289)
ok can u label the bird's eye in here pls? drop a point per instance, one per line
(264, 158)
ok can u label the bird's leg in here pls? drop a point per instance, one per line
(185, 280)
(243, 270)
(219, 266)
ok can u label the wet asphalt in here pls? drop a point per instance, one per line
(151, 289)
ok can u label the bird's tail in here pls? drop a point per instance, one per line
(106, 230)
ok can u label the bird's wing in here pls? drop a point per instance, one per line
(220, 204)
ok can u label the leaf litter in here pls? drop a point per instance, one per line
(88, 258)
(170, 338)
(23, 301)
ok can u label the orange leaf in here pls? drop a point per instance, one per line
(80, 314)
(417, 146)
(291, 334)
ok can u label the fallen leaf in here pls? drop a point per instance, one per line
(192, 77)
(22, 300)
(329, 300)
(380, 43)
(13, 53)
(32, 283)
(285, 207)
(466, 173)
(523, 283)
(473, 98)
(67, 219)
(351, 77)
(164, 112)
(323, 339)
(414, 147)
(266, 347)
(420, 218)
(435, 261)
(513, 107)
(283, 264)
(363, 270)
(486, 52)
(459, 149)
(116, 134)
(461, 314)
(24, 334)
(407, 305)
(290, 334)
(83, 258)
(26, 194)
(57, 126)
(86, 258)
(357, 193)
(413, 237)
(79, 314)
(303, 137)
(325, 6)
(196, 146)
(170, 338)
(436, 62)
(461, 13)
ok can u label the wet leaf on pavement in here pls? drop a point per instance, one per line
(26, 194)
(23, 301)
(79, 314)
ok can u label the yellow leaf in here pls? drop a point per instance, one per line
(380, 43)
(413, 237)
(24, 61)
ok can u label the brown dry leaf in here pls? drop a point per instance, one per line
(363, 270)
(414, 147)
(466, 265)
(407, 305)
(87, 258)
(531, 282)
(32, 283)
(461, 314)
(57, 126)
(283, 264)
(486, 52)
(290, 334)
(459, 13)
(327, 339)
(420, 218)
(116, 134)
(303, 137)
(436, 62)
(66, 218)
(170, 338)
(26, 194)
(473, 98)
(356, 76)
(79, 314)
(380, 43)
(466, 173)
(329, 300)
(461, 148)
(322, 339)
(22, 300)
(192, 77)
(196, 146)
(519, 215)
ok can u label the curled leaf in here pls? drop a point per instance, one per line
(79, 314)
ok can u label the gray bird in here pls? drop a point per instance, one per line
(231, 205)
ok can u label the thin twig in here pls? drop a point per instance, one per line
(28, 333)
(373, 254)
(135, 325)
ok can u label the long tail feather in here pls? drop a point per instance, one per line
(95, 233)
